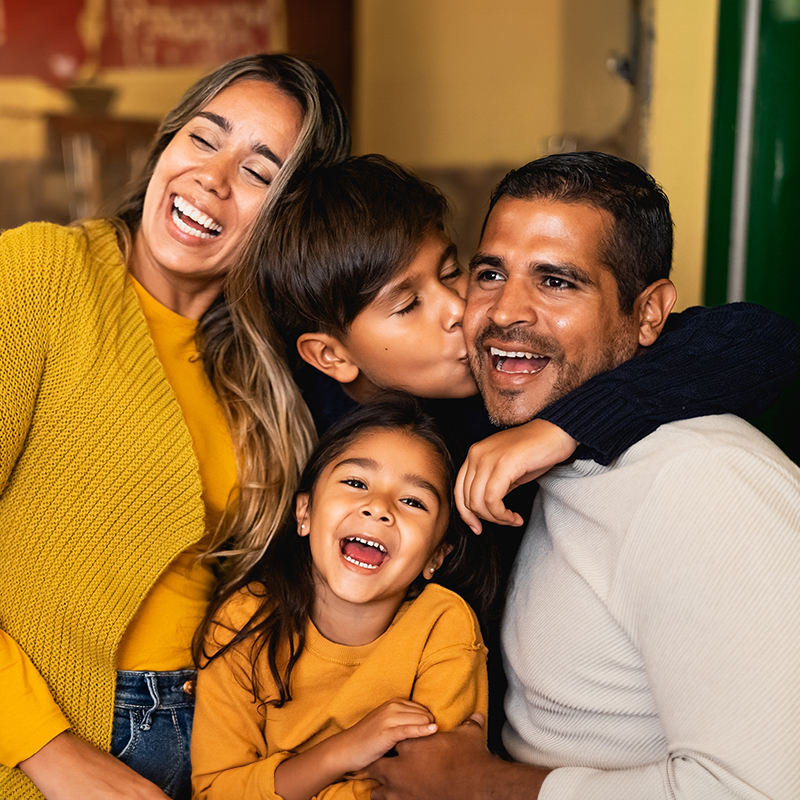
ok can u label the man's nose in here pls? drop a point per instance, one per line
(513, 305)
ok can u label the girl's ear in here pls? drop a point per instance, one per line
(328, 355)
(436, 560)
(301, 514)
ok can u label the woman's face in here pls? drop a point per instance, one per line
(210, 183)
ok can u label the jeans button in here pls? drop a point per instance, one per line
(189, 687)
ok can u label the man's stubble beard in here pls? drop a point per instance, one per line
(503, 412)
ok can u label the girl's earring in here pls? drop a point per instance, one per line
(432, 570)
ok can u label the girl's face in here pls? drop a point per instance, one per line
(211, 181)
(376, 520)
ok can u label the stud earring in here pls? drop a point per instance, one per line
(432, 570)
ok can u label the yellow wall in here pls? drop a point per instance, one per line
(679, 138)
(472, 83)
(457, 82)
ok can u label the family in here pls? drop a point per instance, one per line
(258, 431)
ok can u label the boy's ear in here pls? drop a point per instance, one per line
(653, 306)
(436, 560)
(328, 355)
(301, 514)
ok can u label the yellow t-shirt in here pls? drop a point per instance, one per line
(432, 653)
(160, 636)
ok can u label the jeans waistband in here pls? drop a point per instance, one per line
(154, 690)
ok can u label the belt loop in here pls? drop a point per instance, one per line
(150, 679)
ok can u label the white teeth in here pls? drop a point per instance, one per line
(360, 563)
(511, 354)
(367, 542)
(186, 208)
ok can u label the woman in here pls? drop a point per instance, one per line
(116, 461)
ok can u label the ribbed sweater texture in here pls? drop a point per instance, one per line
(99, 484)
(651, 631)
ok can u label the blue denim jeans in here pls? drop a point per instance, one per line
(153, 726)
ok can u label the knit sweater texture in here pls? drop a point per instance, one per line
(651, 627)
(99, 484)
(432, 653)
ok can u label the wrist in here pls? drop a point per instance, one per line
(509, 781)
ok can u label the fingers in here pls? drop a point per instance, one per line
(414, 731)
(481, 487)
(463, 482)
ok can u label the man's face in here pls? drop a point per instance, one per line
(542, 312)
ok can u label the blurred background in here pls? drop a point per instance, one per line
(705, 94)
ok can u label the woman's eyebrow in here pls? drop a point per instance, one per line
(225, 125)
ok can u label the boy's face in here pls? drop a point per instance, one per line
(409, 337)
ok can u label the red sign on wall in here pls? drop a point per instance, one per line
(53, 39)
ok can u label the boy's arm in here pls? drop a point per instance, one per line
(735, 358)
(732, 359)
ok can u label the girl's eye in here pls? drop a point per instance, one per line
(414, 503)
(409, 308)
(355, 483)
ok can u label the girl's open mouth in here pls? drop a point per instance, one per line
(362, 552)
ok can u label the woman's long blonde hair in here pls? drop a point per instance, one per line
(270, 425)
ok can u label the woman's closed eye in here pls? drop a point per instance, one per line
(201, 142)
(265, 179)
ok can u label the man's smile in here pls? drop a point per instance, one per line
(517, 361)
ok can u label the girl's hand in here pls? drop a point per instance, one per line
(344, 754)
(502, 462)
(68, 768)
(376, 734)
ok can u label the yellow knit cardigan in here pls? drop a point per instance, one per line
(99, 484)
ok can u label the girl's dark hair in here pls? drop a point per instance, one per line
(283, 578)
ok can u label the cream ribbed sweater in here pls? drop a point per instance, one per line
(99, 482)
(653, 626)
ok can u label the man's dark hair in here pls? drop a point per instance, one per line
(638, 248)
(337, 237)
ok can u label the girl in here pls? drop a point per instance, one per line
(334, 648)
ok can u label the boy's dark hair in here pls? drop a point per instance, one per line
(284, 572)
(336, 237)
(637, 249)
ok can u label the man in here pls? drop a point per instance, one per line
(651, 629)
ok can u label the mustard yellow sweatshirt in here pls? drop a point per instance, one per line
(432, 653)
(100, 488)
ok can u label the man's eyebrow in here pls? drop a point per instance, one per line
(225, 125)
(566, 270)
(484, 259)
(411, 477)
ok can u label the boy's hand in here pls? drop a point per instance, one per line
(502, 462)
